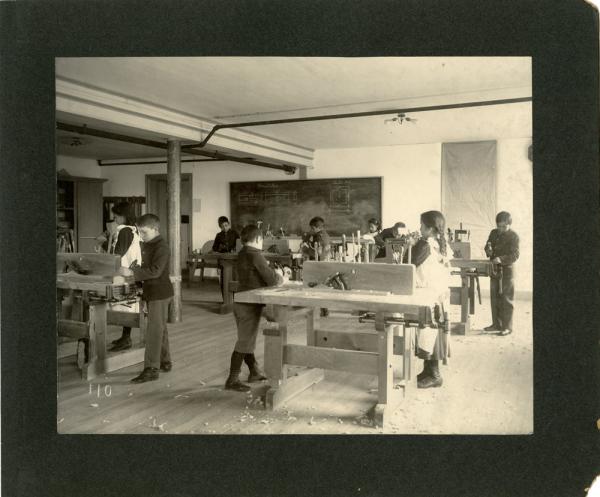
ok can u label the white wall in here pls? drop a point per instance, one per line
(411, 176)
(515, 195)
(412, 184)
(77, 166)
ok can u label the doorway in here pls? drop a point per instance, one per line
(157, 201)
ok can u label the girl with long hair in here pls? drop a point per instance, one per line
(429, 255)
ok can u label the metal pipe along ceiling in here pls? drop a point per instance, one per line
(84, 130)
(354, 114)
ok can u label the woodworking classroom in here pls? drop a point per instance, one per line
(335, 161)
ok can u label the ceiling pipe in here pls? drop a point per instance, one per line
(463, 105)
(84, 130)
(105, 162)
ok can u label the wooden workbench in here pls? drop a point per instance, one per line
(465, 295)
(91, 308)
(228, 262)
(360, 353)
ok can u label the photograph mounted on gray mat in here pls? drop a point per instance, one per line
(277, 258)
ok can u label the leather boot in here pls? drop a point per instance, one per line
(255, 372)
(233, 381)
(425, 371)
(148, 374)
(433, 379)
(126, 334)
(122, 343)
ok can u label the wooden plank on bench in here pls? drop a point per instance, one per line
(355, 341)
(92, 264)
(352, 361)
(398, 279)
(112, 362)
(123, 318)
(293, 386)
(73, 329)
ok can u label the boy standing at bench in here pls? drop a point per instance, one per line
(157, 292)
(253, 272)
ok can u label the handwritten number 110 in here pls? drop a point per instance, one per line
(107, 391)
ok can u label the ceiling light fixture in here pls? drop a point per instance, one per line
(400, 118)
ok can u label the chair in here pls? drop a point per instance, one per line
(196, 261)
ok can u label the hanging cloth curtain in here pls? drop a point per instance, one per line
(469, 189)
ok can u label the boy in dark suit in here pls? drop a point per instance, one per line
(253, 272)
(226, 238)
(395, 231)
(224, 243)
(502, 248)
(316, 243)
(157, 292)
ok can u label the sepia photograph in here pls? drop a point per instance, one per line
(294, 245)
(314, 248)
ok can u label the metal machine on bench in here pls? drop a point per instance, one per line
(93, 292)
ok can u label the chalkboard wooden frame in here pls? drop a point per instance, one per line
(345, 204)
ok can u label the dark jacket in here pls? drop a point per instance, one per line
(380, 239)
(124, 241)
(418, 253)
(225, 241)
(253, 270)
(503, 245)
(322, 238)
(154, 271)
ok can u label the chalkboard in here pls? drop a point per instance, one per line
(346, 204)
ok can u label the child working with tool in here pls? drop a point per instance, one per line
(429, 255)
(157, 292)
(374, 230)
(253, 272)
(124, 241)
(395, 231)
(502, 248)
(315, 245)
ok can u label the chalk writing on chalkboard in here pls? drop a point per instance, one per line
(280, 198)
(249, 198)
(339, 199)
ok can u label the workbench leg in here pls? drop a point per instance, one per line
(143, 323)
(97, 341)
(471, 295)
(385, 373)
(464, 327)
(464, 299)
(227, 272)
(312, 325)
(275, 340)
(408, 360)
(398, 358)
(191, 271)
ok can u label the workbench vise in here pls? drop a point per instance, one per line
(101, 275)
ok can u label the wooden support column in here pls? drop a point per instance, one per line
(174, 213)
(303, 173)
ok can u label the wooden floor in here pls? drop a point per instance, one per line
(488, 386)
